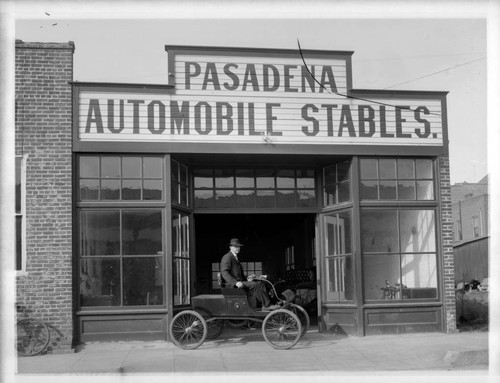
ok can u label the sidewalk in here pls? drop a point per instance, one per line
(245, 351)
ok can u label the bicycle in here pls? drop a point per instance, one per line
(33, 335)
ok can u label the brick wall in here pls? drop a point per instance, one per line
(43, 132)
(447, 237)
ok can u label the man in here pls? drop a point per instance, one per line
(232, 272)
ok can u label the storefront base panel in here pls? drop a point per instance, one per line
(122, 327)
(402, 320)
(341, 321)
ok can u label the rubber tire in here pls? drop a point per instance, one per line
(188, 330)
(33, 336)
(277, 336)
(302, 315)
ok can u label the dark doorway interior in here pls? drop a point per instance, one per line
(268, 238)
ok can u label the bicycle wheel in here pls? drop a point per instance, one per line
(33, 337)
(281, 329)
(188, 330)
(302, 315)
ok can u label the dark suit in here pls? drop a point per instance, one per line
(232, 272)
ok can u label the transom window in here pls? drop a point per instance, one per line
(337, 183)
(254, 188)
(108, 178)
(397, 179)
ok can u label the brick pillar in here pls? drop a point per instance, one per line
(43, 133)
(447, 238)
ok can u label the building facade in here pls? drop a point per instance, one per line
(470, 207)
(271, 146)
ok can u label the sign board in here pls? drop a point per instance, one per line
(235, 96)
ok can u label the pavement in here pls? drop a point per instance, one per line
(245, 352)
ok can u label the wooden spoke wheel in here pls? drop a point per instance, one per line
(281, 329)
(302, 315)
(188, 329)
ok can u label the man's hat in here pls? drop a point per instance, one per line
(235, 242)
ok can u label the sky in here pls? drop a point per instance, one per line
(425, 54)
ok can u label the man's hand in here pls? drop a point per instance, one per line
(251, 277)
(239, 284)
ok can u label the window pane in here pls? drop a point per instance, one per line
(100, 282)
(142, 232)
(89, 189)
(174, 190)
(286, 198)
(425, 190)
(245, 178)
(368, 168)
(245, 198)
(305, 179)
(89, 167)
(110, 167)
(153, 190)
(184, 190)
(330, 175)
(285, 179)
(142, 281)
(406, 190)
(406, 169)
(153, 167)
(19, 162)
(183, 174)
(388, 190)
(424, 169)
(131, 189)
(203, 179)
(99, 233)
(419, 275)
(418, 231)
(181, 282)
(19, 242)
(330, 194)
(204, 198)
(110, 189)
(340, 281)
(266, 198)
(307, 198)
(369, 190)
(343, 170)
(344, 191)
(379, 231)
(131, 167)
(380, 276)
(265, 179)
(224, 178)
(224, 198)
(387, 168)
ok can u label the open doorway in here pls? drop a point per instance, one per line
(280, 246)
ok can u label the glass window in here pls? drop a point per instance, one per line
(20, 211)
(121, 252)
(180, 183)
(338, 259)
(103, 178)
(337, 183)
(254, 188)
(399, 253)
(396, 179)
(181, 258)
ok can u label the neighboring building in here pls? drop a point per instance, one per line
(470, 207)
(129, 193)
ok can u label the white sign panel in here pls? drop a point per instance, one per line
(256, 100)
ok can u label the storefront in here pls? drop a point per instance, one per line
(273, 148)
(345, 189)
